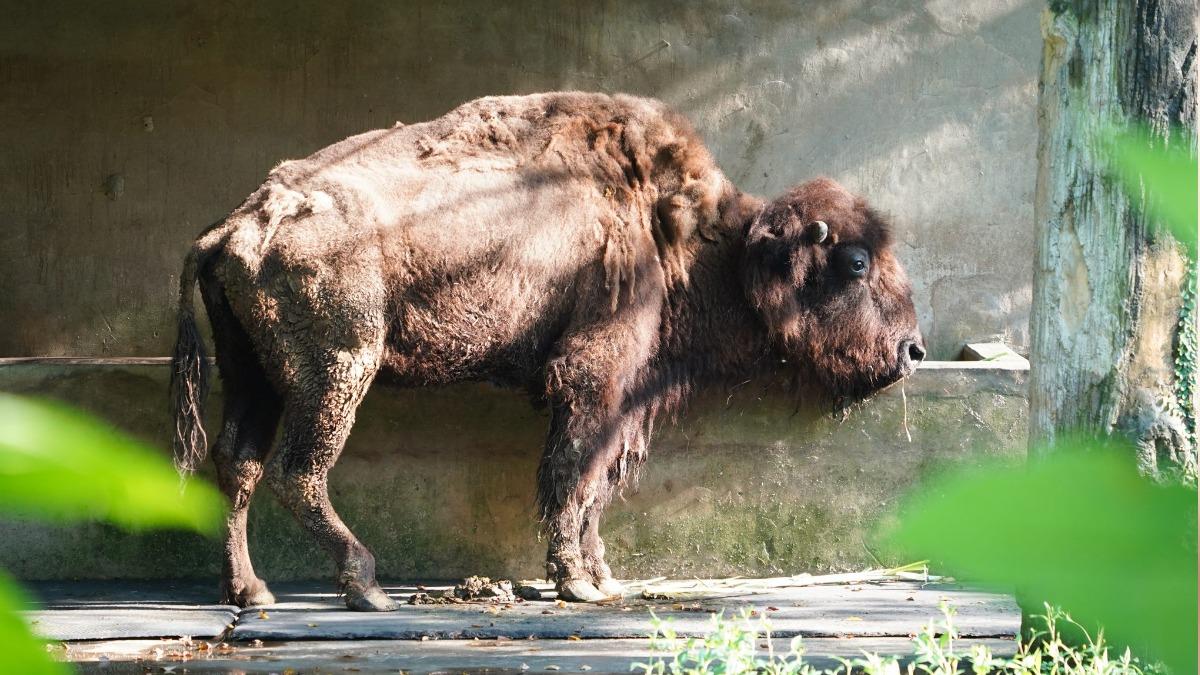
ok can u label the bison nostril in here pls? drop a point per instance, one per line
(912, 352)
(915, 352)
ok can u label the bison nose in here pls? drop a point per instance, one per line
(911, 353)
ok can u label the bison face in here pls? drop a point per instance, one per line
(820, 271)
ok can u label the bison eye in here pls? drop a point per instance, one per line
(854, 261)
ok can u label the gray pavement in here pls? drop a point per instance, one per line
(128, 627)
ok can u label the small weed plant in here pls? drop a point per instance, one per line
(743, 644)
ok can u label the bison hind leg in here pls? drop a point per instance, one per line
(250, 417)
(245, 439)
(318, 414)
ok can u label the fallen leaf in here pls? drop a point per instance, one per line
(574, 638)
(262, 614)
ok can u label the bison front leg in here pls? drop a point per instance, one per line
(625, 459)
(592, 549)
(588, 433)
(567, 490)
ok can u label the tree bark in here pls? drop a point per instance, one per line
(1109, 356)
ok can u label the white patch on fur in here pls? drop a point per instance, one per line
(283, 202)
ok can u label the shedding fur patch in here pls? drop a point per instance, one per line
(282, 203)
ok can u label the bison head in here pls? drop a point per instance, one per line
(820, 271)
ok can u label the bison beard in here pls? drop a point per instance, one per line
(583, 247)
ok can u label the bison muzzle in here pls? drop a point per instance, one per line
(582, 247)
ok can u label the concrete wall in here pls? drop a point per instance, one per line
(440, 483)
(126, 127)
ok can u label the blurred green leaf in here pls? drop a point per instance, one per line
(1168, 174)
(60, 464)
(20, 650)
(1078, 528)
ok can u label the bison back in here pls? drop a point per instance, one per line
(484, 233)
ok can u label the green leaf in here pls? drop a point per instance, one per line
(1167, 172)
(20, 650)
(60, 464)
(1078, 528)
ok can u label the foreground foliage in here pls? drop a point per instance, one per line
(1077, 527)
(59, 464)
(1161, 177)
(732, 647)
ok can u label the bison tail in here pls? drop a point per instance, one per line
(189, 366)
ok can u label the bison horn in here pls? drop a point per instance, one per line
(818, 230)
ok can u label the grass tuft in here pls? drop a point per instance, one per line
(732, 647)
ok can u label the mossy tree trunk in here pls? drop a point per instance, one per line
(1109, 286)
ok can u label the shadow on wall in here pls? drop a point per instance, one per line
(926, 108)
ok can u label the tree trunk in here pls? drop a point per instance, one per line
(1109, 353)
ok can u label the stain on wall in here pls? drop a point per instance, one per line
(127, 127)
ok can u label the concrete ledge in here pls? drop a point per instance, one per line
(440, 482)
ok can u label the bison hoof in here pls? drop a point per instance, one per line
(610, 587)
(579, 590)
(369, 599)
(250, 595)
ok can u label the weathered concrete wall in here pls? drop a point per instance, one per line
(439, 483)
(126, 127)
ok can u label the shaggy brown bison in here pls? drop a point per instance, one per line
(583, 247)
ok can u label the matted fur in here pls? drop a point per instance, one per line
(583, 247)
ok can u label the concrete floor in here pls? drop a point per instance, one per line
(173, 627)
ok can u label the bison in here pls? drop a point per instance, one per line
(582, 247)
